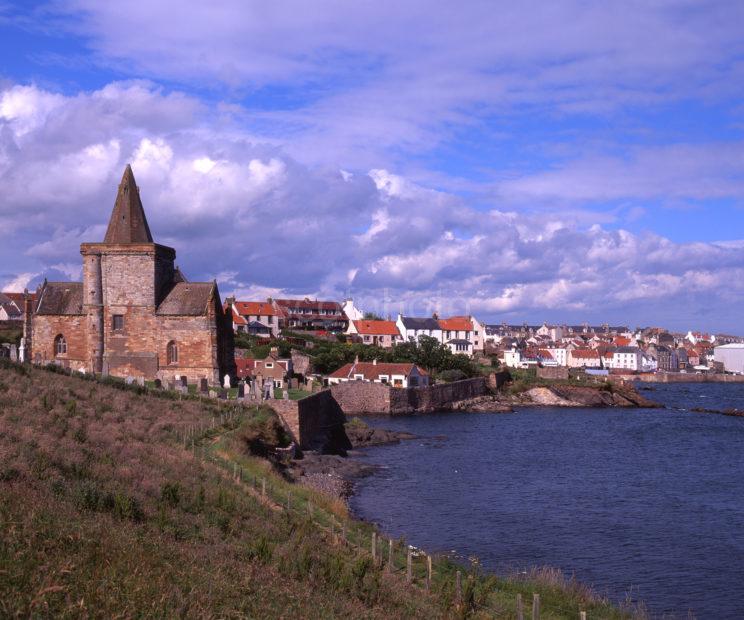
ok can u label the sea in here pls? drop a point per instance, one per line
(641, 504)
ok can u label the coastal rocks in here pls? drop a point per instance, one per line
(483, 404)
(362, 436)
(578, 396)
(329, 473)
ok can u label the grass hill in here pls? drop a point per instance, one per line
(120, 502)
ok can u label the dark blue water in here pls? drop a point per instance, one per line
(644, 501)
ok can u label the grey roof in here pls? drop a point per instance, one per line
(627, 350)
(61, 298)
(410, 322)
(10, 307)
(128, 223)
(187, 299)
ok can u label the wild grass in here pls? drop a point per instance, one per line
(119, 503)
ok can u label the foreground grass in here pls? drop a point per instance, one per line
(116, 502)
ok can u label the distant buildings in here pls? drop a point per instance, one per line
(731, 356)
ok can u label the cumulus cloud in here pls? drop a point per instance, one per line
(264, 224)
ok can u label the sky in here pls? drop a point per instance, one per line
(562, 161)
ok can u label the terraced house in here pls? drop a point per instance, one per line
(134, 314)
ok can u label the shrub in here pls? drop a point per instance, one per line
(454, 374)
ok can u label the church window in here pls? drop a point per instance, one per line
(60, 345)
(172, 352)
(118, 322)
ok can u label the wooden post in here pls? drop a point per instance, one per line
(310, 509)
(390, 556)
(409, 567)
(520, 610)
(535, 606)
(428, 573)
(374, 548)
(458, 589)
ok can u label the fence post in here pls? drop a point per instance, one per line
(535, 606)
(458, 589)
(582, 615)
(520, 610)
(374, 548)
(390, 556)
(428, 573)
(409, 567)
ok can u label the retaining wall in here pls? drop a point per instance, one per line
(359, 397)
(316, 422)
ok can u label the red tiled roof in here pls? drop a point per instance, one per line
(621, 341)
(244, 366)
(546, 355)
(236, 318)
(17, 298)
(255, 308)
(377, 328)
(373, 371)
(585, 354)
(456, 323)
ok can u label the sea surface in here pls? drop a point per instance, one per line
(648, 502)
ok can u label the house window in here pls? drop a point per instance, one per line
(172, 352)
(117, 322)
(269, 364)
(60, 345)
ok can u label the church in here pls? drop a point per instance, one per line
(134, 314)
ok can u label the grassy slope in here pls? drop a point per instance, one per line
(114, 503)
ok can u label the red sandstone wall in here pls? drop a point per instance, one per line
(46, 328)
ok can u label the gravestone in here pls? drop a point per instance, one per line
(285, 395)
(212, 393)
(293, 384)
(140, 380)
(268, 389)
(203, 386)
(22, 351)
(13, 353)
(158, 384)
(241, 389)
(223, 394)
(171, 385)
(226, 382)
(129, 380)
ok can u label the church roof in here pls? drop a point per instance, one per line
(61, 298)
(187, 299)
(128, 223)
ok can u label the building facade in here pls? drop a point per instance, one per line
(134, 314)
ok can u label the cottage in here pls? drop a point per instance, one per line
(376, 333)
(308, 314)
(457, 334)
(258, 318)
(398, 375)
(412, 328)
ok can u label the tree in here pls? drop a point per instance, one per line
(371, 316)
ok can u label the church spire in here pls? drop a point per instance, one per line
(128, 223)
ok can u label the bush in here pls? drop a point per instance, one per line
(454, 374)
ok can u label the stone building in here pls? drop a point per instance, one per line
(134, 314)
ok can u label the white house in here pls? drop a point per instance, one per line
(412, 328)
(559, 354)
(397, 375)
(457, 334)
(351, 311)
(584, 358)
(731, 356)
(627, 358)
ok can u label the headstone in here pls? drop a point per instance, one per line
(226, 382)
(241, 389)
(140, 381)
(171, 385)
(22, 351)
(285, 395)
(129, 380)
(203, 386)
(158, 384)
(293, 384)
(13, 353)
(184, 381)
(268, 389)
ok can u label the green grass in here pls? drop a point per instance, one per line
(121, 503)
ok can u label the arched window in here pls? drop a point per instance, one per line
(60, 345)
(172, 352)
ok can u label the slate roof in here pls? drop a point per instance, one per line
(372, 371)
(61, 298)
(410, 322)
(11, 308)
(187, 299)
(128, 223)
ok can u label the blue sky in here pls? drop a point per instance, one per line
(560, 161)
